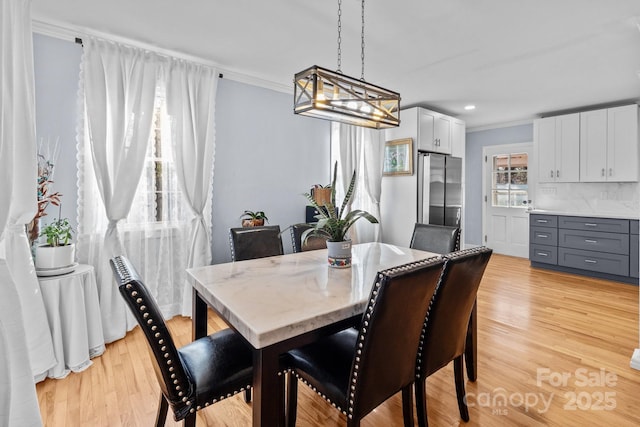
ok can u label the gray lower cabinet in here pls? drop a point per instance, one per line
(600, 247)
(634, 264)
(544, 254)
(543, 239)
(594, 261)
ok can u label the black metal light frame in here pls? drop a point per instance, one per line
(331, 95)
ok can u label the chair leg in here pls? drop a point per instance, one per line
(291, 400)
(458, 371)
(407, 405)
(421, 402)
(247, 395)
(163, 407)
(190, 421)
(471, 345)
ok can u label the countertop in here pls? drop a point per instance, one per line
(585, 214)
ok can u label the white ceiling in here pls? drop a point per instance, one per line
(513, 59)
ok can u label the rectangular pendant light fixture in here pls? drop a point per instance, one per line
(330, 95)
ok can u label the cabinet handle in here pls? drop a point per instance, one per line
(602, 173)
(542, 221)
(590, 241)
(557, 174)
(542, 254)
(610, 172)
(542, 236)
(551, 173)
(590, 224)
(590, 261)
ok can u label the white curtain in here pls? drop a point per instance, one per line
(360, 149)
(22, 316)
(165, 183)
(191, 93)
(119, 93)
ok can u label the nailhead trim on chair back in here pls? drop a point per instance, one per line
(372, 362)
(445, 326)
(172, 377)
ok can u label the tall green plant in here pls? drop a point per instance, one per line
(335, 223)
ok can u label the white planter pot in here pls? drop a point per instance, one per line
(51, 257)
(339, 254)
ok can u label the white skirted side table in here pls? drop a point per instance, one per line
(73, 310)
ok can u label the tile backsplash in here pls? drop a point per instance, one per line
(589, 198)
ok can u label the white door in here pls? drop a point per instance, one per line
(506, 198)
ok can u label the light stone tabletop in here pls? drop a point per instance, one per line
(271, 299)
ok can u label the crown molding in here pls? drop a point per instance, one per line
(500, 125)
(70, 33)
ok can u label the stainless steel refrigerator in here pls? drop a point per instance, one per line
(439, 189)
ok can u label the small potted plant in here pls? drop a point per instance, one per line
(59, 251)
(253, 219)
(321, 194)
(333, 224)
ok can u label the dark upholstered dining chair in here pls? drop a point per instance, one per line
(195, 376)
(358, 369)
(440, 239)
(445, 327)
(255, 242)
(311, 243)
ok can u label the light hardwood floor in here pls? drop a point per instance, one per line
(554, 349)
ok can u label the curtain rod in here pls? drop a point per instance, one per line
(79, 41)
(69, 33)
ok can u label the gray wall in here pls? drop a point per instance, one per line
(265, 156)
(473, 171)
(56, 68)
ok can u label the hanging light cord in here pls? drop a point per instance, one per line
(339, 36)
(362, 43)
(339, 70)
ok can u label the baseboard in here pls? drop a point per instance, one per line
(635, 359)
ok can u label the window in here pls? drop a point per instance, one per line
(159, 198)
(509, 186)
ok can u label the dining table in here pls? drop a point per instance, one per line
(282, 302)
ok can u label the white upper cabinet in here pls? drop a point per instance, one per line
(609, 145)
(557, 141)
(458, 137)
(431, 131)
(435, 132)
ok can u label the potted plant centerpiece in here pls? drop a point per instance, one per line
(57, 255)
(333, 224)
(253, 219)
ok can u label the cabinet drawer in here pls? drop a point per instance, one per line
(543, 220)
(594, 261)
(594, 224)
(543, 236)
(633, 256)
(633, 226)
(594, 241)
(542, 253)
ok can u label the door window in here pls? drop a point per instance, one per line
(510, 188)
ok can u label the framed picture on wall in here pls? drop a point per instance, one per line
(398, 157)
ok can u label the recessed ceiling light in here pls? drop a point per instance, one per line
(469, 107)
